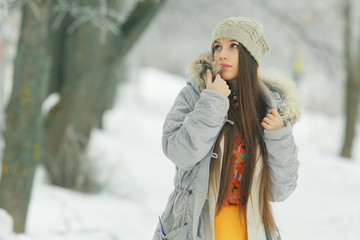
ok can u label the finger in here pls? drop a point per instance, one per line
(208, 77)
(277, 114)
(274, 112)
(265, 125)
(267, 120)
(228, 93)
(218, 77)
(270, 116)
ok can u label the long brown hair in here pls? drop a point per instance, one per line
(247, 118)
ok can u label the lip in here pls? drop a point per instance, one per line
(224, 65)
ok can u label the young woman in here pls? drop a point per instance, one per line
(229, 134)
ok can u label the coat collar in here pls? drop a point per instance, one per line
(279, 93)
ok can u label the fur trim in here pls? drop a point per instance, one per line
(282, 91)
(289, 107)
(197, 69)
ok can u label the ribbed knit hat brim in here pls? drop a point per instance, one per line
(245, 30)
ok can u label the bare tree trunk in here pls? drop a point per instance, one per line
(23, 124)
(84, 67)
(57, 41)
(89, 85)
(352, 86)
(131, 30)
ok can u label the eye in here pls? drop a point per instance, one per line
(217, 47)
(234, 45)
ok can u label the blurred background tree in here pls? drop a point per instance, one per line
(23, 123)
(352, 69)
(85, 75)
(79, 61)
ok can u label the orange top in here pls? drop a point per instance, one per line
(230, 224)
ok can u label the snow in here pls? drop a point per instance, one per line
(136, 178)
(6, 225)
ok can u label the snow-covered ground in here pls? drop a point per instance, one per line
(137, 177)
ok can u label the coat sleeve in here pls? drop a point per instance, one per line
(190, 129)
(283, 161)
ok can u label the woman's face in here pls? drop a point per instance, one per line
(226, 53)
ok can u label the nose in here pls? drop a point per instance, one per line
(223, 54)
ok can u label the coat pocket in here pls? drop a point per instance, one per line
(177, 234)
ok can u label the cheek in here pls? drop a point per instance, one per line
(237, 68)
(236, 58)
(236, 64)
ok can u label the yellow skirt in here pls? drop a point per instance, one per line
(230, 224)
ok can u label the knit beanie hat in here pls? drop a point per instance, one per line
(245, 30)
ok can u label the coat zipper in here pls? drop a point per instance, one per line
(185, 207)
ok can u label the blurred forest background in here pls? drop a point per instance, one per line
(63, 61)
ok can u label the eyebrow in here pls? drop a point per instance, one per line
(231, 40)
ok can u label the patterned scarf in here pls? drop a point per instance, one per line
(234, 195)
(233, 198)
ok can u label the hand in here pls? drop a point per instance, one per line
(273, 121)
(218, 85)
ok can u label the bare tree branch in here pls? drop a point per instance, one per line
(326, 55)
(136, 23)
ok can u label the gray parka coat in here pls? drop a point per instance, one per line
(190, 131)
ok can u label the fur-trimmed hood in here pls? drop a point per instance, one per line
(280, 94)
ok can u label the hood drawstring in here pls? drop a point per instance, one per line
(229, 121)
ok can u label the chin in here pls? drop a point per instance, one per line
(227, 77)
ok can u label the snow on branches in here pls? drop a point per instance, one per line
(102, 17)
(107, 19)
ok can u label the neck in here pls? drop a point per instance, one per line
(233, 84)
